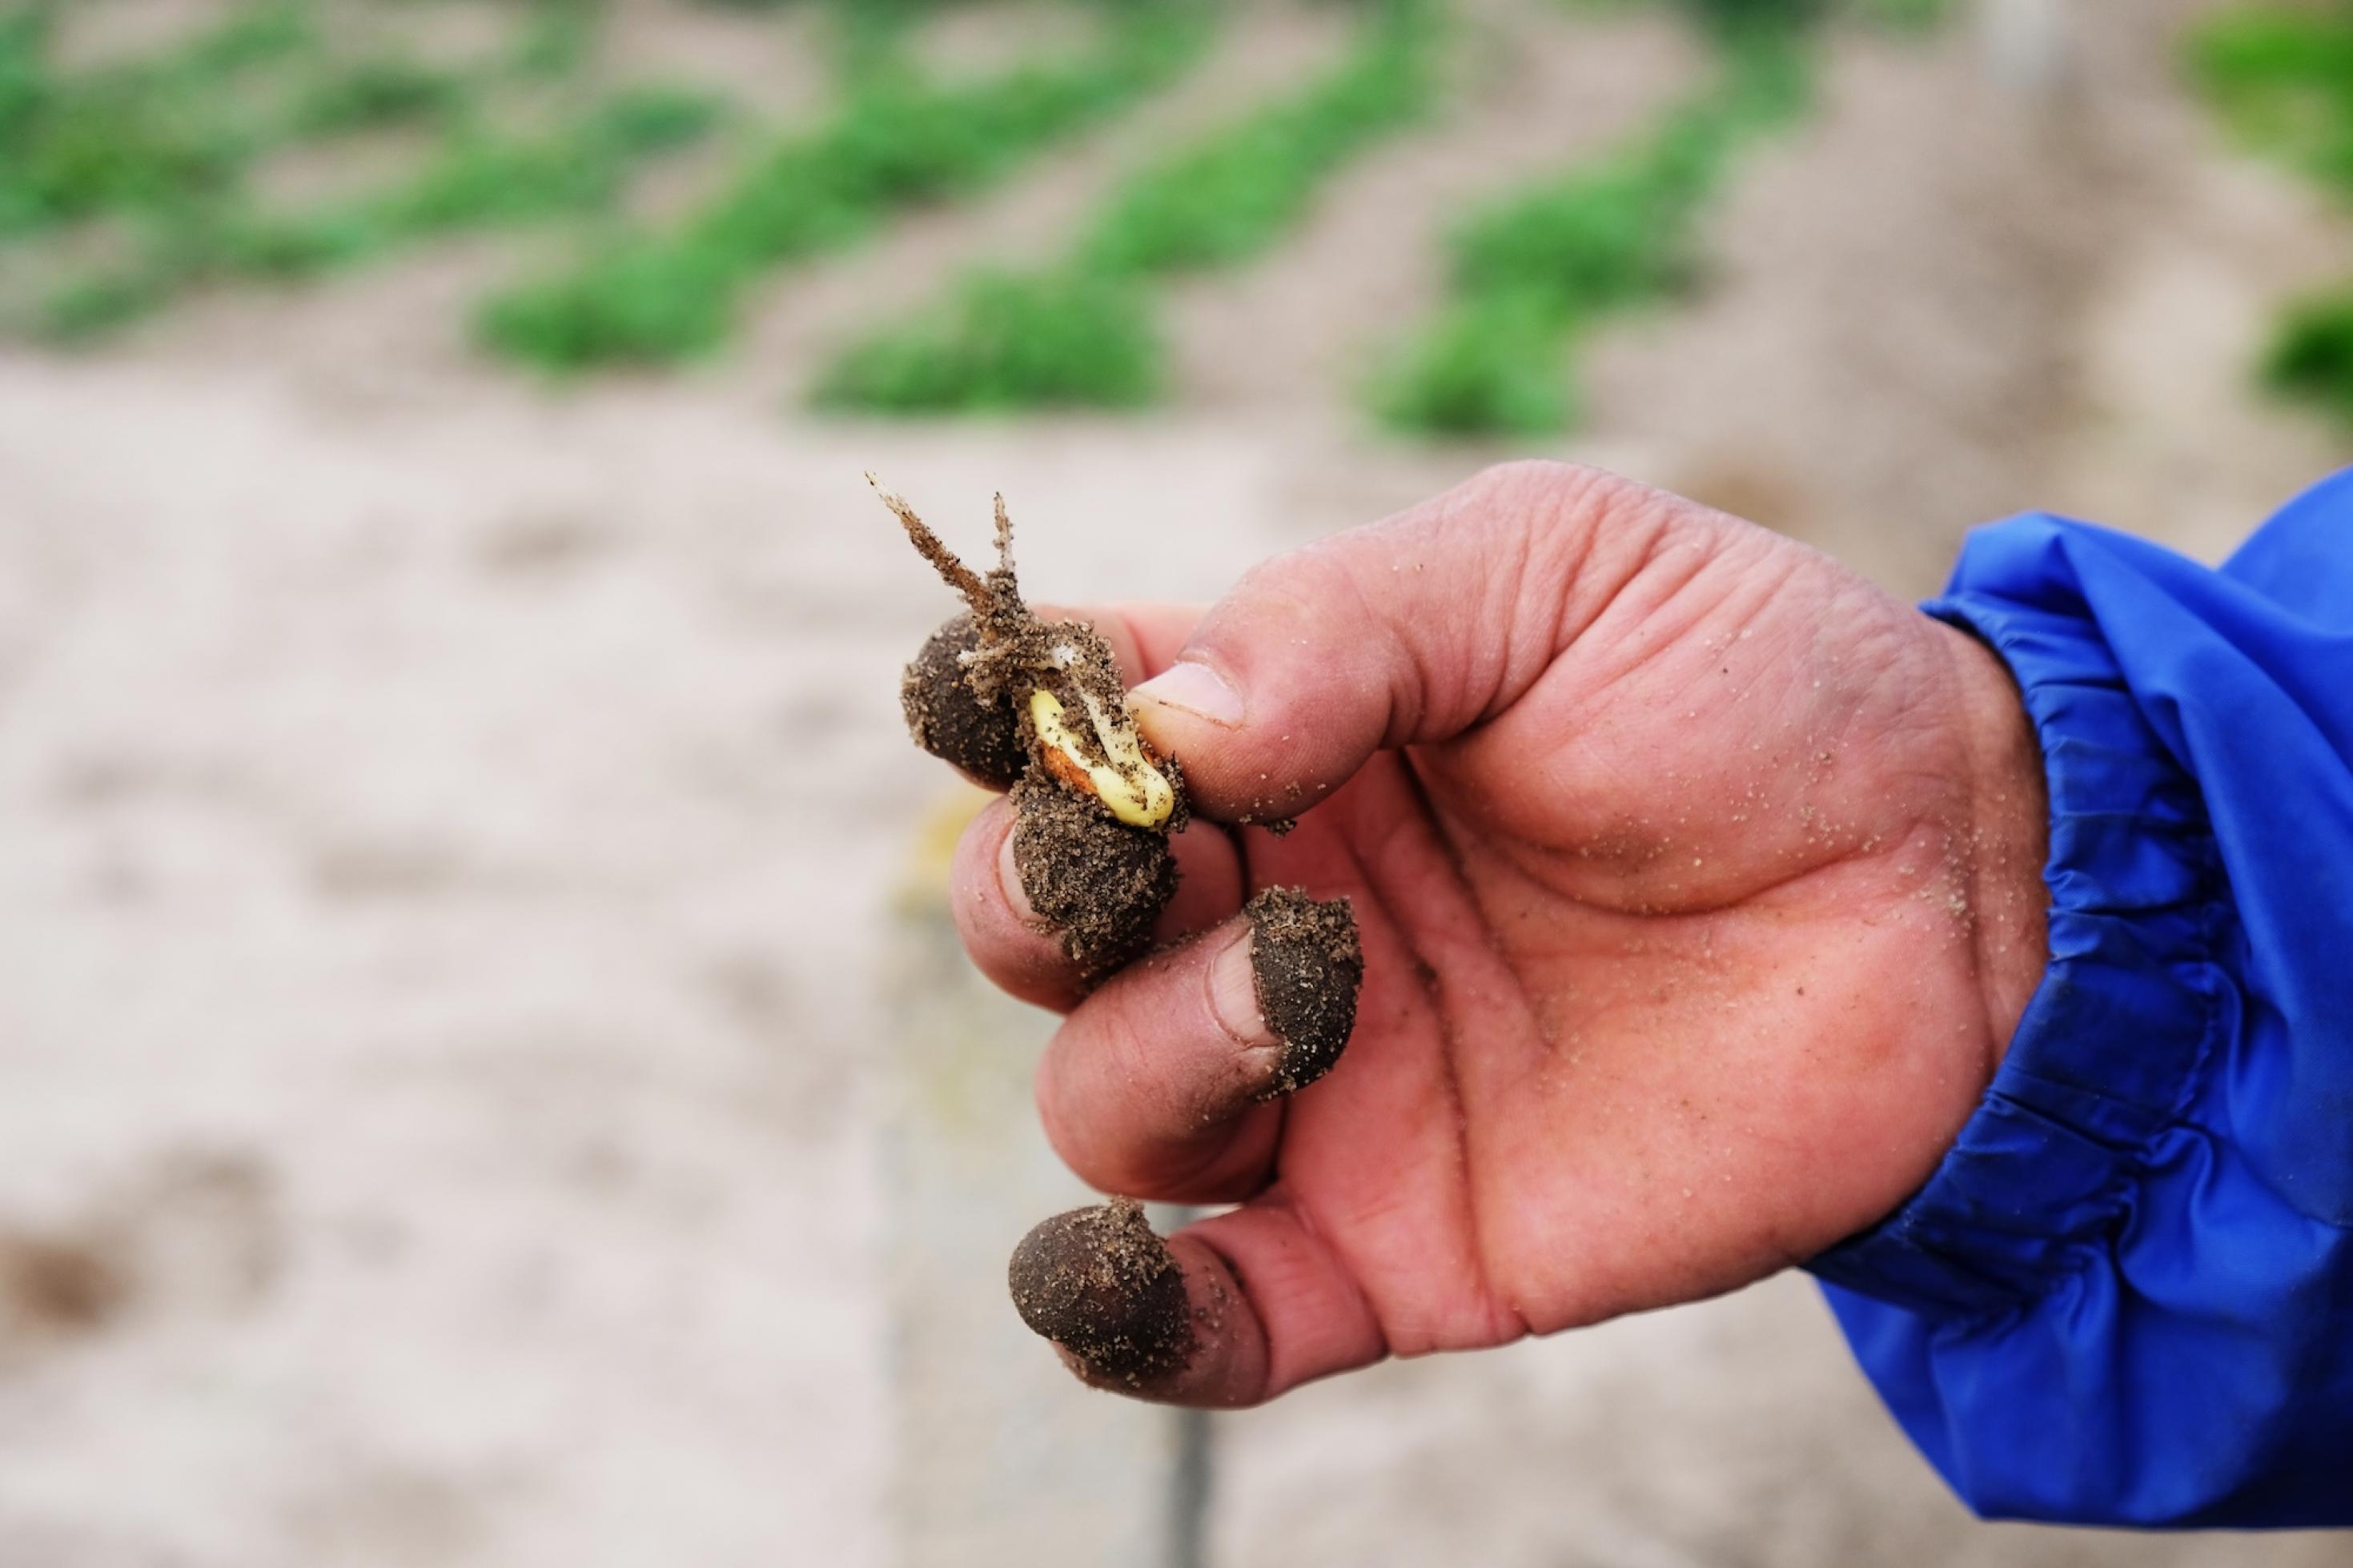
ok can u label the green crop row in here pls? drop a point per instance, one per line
(163, 146)
(1749, 16)
(1239, 190)
(182, 127)
(1005, 341)
(475, 178)
(1080, 333)
(899, 140)
(177, 126)
(1531, 273)
(2281, 80)
(159, 151)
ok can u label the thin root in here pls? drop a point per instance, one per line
(959, 575)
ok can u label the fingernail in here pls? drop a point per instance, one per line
(1009, 879)
(1233, 995)
(1195, 688)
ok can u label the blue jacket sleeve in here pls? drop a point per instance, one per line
(2125, 1296)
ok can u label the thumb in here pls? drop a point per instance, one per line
(1408, 632)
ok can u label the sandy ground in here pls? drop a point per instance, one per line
(449, 836)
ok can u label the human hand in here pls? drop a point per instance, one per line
(1699, 887)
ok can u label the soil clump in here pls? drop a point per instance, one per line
(1309, 966)
(1098, 1282)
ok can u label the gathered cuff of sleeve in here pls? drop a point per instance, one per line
(2113, 1042)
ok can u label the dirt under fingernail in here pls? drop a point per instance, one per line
(1100, 1282)
(1309, 964)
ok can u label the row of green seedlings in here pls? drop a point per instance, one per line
(163, 147)
(1533, 273)
(171, 127)
(1739, 17)
(182, 126)
(1082, 332)
(2283, 81)
(187, 124)
(898, 140)
(479, 177)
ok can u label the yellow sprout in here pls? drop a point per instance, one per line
(1137, 792)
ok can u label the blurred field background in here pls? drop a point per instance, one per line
(484, 1078)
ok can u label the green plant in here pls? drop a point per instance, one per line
(481, 178)
(1483, 366)
(161, 148)
(557, 37)
(898, 141)
(364, 94)
(1082, 331)
(1006, 341)
(2281, 80)
(2311, 352)
(1240, 189)
(1533, 270)
(257, 33)
(169, 128)
(475, 179)
(1755, 16)
(1907, 15)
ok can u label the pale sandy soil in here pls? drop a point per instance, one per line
(448, 837)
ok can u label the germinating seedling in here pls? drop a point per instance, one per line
(1038, 708)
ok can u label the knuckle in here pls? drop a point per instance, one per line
(1525, 475)
(1544, 483)
(1547, 488)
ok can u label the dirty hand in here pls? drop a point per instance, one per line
(1699, 890)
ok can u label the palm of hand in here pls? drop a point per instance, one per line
(1677, 967)
(1698, 883)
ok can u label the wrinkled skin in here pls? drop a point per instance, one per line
(1699, 890)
